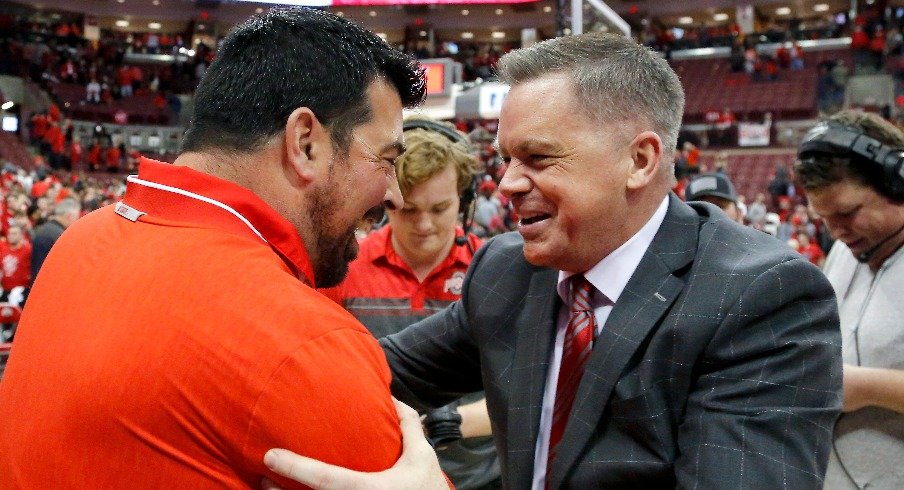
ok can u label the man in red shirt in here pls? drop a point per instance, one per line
(171, 340)
(15, 260)
(15, 266)
(414, 267)
(810, 249)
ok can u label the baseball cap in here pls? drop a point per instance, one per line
(715, 184)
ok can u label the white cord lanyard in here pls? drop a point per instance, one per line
(182, 192)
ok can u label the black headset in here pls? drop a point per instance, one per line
(468, 195)
(832, 138)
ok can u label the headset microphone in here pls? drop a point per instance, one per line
(866, 256)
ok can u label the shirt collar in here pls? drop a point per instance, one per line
(179, 193)
(610, 275)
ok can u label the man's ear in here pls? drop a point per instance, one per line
(308, 147)
(646, 153)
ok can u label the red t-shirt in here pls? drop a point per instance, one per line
(15, 264)
(173, 349)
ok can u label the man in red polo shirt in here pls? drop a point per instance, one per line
(414, 267)
(174, 338)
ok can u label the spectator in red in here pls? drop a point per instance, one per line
(877, 47)
(810, 249)
(783, 56)
(15, 260)
(75, 155)
(53, 112)
(124, 81)
(94, 154)
(860, 45)
(137, 77)
(68, 72)
(39, 124)
(726, 119)
(112, 158)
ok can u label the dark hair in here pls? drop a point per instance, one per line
(288, 58)
(824, 170)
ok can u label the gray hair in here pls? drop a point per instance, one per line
(66, 207)
(615, 80)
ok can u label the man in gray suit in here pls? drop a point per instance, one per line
(713, 359)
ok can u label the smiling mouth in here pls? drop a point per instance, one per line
(534, 219)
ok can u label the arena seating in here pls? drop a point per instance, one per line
(710, 85)
(140, 109)
(13, 150)
(750, 170)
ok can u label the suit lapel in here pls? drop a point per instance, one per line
(536, 327)
(648, 295)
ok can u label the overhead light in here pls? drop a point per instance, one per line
(121, 1)
(720, 17)
(156, 2)
(154, 25)
(467, 35)
(465, 12)
(7, 105)
(498, 11)
(783, 11)
(381, 35)
(498, 35)
(566, 31)
(259, 10)
(340, 13)
(686, 20)
(122, 23)
(547, 9)
(821, 7)
(373, 13)
(422, 33)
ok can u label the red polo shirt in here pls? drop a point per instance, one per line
(169, 342)
(384, 294)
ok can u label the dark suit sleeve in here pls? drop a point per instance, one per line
(40, 248)
(768, 388)
(436, 360)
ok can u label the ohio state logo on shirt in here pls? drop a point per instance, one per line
(453, 284)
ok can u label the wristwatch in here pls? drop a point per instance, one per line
(443, 426)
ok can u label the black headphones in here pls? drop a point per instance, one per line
(468, 195)
(832, 138)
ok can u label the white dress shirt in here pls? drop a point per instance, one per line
(609, 277)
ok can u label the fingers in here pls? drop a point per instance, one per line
(413, 437)
(313, 473)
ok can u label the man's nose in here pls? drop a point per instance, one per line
(393, 199)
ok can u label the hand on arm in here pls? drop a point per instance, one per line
(417, 467)
(879, 387)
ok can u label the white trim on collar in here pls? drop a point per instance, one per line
(182, 192)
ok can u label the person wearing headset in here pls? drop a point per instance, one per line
(414, 267)
(852, 167)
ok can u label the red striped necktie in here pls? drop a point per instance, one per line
(575, 351)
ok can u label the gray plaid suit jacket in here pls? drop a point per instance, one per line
(719, 367)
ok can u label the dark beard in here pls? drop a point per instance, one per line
(335, 254)
(334, 249)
